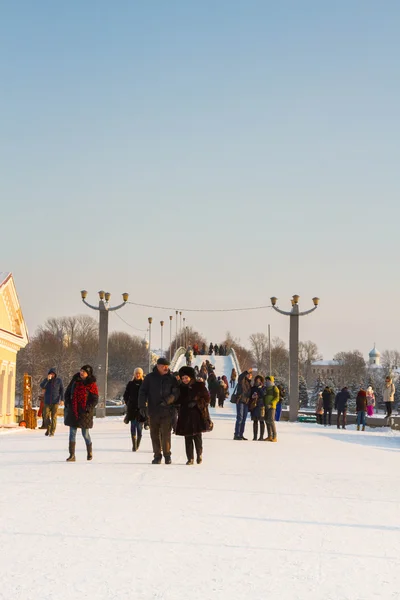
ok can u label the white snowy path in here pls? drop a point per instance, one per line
(315, 516)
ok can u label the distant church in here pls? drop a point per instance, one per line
(331, 369)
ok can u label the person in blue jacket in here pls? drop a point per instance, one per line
(53, 395)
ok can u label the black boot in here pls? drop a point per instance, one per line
(134, 443)
(71, 457)
(156, 460)
(255, 431)
(139, 439)
(89, 451)
(262, 431)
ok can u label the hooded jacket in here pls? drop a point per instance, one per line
(388, 392)
(271, 393)
(53, 389)
(158, 392)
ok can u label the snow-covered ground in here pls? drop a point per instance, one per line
(315, 516)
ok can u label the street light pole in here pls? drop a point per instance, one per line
(180, 328)
(104, 309)
(170, 337)
(269, 350)
(150, 319)
(184, 332)
(176, 330)
(294, 315)
(162, 337)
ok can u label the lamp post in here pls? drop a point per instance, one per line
(170, 337)
(294, 315)
(184, 332)
(104, 309)
(180, 328)
(162, 337)
(176, 330)
(150, 319)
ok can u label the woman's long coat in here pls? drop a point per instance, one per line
(84, 419)
(193, 416)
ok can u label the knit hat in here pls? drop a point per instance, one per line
(189, 371)
(271, 378)
(163, 361)
(88, 369)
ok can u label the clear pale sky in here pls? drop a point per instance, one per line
(205, 154)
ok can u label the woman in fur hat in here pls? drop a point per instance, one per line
(194, 418)
(81, 397)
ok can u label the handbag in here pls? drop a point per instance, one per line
(235, 396)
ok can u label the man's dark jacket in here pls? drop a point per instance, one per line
(342, 400)
(53, 389)
(158, 392)
(328, 398)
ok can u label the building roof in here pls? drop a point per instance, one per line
(4, 275)
(325, 363)
(374, 353)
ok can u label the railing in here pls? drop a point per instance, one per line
(180, 351)
(235, 360)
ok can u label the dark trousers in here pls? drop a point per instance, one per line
(343, 414)
(193, 441)
(270, 419)
(213, 398)
(255, 430)
(389, 408)
(233, 383)
(320, 419)
(241, 416)
(50, 417)
(136, 428)
(160, 433)
(328, 413)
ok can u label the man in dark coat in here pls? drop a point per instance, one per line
(242, 403)
(341, 403)
(158, 392)
(328, 398)
(53, 395)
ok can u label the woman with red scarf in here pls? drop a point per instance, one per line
(81, 397)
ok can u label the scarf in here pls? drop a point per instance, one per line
(79, 396)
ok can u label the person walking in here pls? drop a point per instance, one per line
(189, 357)
(221, 392)
(243, 394)
(225, 380)
(370, 401)
(203, 372)
(221, 350)
(131, 399)
(233, 378)
(388, 395)
(211, 349)
(257, 407)
(81, 398)
(193, 419)
(216, 349)
(158, 392)
(203, 350)
(328, 398)
(213, 388)
(341, 404)
(361, 407)
(53, 395)
(319, 410)
(271, 400)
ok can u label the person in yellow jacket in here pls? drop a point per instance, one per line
(271, 399)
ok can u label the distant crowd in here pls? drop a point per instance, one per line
(365, 404)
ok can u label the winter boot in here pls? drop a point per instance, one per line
(168, 460)
(156, 460)
(358, 428)
(47, 432)
(71, 457)
(190, 461)
(262, 430)
(255, 431)
(199, 459)
(275, 439)
(363, 427)
(134, 443)
(139, 439)
(89, 449)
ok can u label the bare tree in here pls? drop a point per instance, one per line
(126, 352)
(259, 348)
(308, 353)
(390, 360)
(353, 366)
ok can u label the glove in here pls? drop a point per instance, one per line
(143, 412)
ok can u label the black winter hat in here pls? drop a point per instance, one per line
(52, 370)
(189, 371)
(163, 361)
(88, 370)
